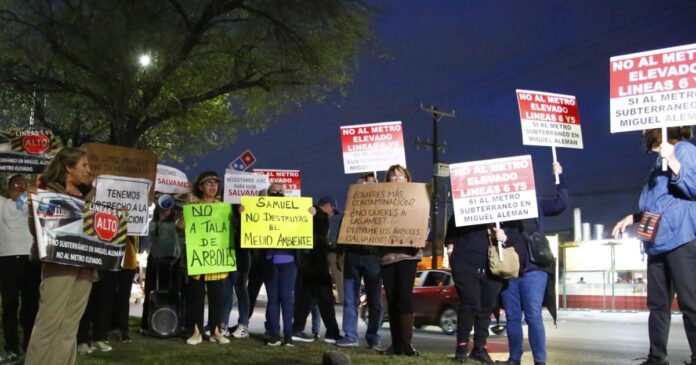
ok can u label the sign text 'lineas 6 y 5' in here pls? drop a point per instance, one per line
(372, 147)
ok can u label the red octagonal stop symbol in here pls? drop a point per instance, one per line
(106, 225)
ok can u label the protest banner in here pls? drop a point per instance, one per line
(105, 159)
(209, 240)
(372, 147)
(653, 89)
(27, 150)
(276, 222)
(549, 119)
(71, 233)
(387, 214)
(129, 193)
(493, 191)
(239, 184)
(289, 178)
(171, 181)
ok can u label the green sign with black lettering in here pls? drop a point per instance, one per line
(209, 240)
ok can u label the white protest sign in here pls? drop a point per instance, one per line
(653, 89)
(171, 181)
(126, 192)
(549, 119)
(491, 191)
(239, 184)
(290, 179)
(372, 147)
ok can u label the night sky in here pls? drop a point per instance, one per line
(470, 56)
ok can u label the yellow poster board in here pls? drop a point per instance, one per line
(276, 222)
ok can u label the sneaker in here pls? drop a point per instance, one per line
(302, 337)
(194, 340)
(225, 333)
(650, 361)
(346, 342)
(287, 342)
(315, 335)
(332, 340)
(481, 354)
(126, 339)
(102, 346)
(461, 354)
(9, 358)
(83, 349)
(241, 332)
(274, 341)
(222, 340)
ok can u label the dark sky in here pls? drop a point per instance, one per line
(470, 56)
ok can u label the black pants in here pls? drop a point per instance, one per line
(398, 285)
(259, 270)
(309, 288)
(478, 297)
(214, 289)
(19, 280)
(119, 317)
(667, 272)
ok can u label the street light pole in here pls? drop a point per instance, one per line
(437, 115)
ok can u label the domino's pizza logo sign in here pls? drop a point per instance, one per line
(106, 225)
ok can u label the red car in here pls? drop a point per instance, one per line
(434, 301)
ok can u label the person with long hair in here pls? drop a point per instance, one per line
(64, 289)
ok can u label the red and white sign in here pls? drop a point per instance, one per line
(36, 144)
(372, 147)
(106, 225)
(549, 119)
(653, 89)
(171, 181)
(289, 178)
(490, 191)
(239, 184)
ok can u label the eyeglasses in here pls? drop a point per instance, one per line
(211, 182)
(276, 192)
(397, 177)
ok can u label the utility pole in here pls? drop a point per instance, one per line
(437, 115)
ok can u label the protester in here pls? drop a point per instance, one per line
(206, 190)
(398, 269)
(19, 276)
(360, 265)
(237, 282)
(314, 281)
(671, 262)
(526, 294)
(64, 289)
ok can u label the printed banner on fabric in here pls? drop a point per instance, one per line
(171, 181)
(549, 119)
(28, 150)
(653, 89)
(129, 193)
(277, 222)
(386, 214)
(372, 147)
(209, 239)
(105, 159)
(239, 184)
(290, 179)
(71, 233)
(490, 191)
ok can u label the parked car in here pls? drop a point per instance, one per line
(434, 301)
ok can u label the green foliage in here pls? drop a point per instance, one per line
(217, 66)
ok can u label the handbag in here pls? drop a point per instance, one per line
(647, 228)
(509, 267)
(539, 248)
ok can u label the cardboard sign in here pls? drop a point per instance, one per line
(239, 184)
(490, 191)
(171, 181)
(27, 150)
(124, 192)
(372, 147)
(289, 178)
(386, 214)
(653, 89)
(277, 222)
(71, 233)
(549, 119)
(105, 159)
(209, 240)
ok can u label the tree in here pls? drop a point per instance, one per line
(216, 65)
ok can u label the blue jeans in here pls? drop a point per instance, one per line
(526, 294)
(365, 266)
(280, 291)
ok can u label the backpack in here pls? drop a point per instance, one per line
(539, 248)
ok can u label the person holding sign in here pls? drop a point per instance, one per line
(669, 195)
(398, 267)
(206, 190)
(64, 289)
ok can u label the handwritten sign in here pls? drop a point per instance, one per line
(290, 179)
(549, 119)
(372, 147)
(387, 214)
(490, 191)
(276, 222)
(27, 150)
(209, 242)
(105, 159)
(653, 89)
(125, 192)
(171, 180)
(239, 184)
